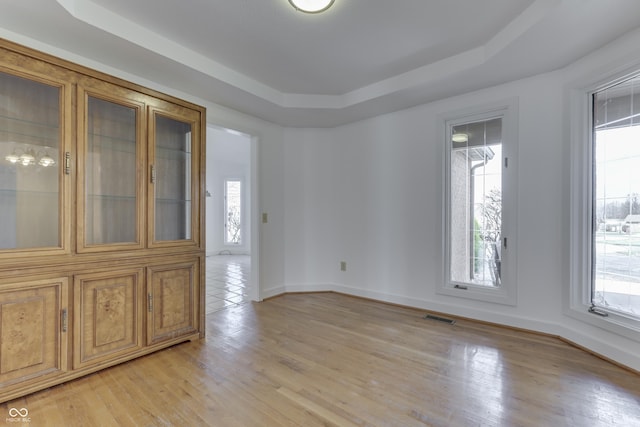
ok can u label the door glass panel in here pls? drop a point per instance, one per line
(111, 186)
(29, 164)
(173, 179)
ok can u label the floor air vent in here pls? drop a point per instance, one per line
(440, 319)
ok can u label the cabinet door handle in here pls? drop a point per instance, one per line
(67, 163)
(153, 174)
(63, 320)
(150, 302)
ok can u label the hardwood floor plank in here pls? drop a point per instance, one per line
(327, 414)
(331, 360)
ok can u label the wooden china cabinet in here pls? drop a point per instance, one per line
(101, 221)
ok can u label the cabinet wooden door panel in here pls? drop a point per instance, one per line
(171, 297)
(107, 323)
(175, 162)
(34, 140)
(32, 330)
(112, 157)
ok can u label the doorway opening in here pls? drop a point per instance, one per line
(231, 219)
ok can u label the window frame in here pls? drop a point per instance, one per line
(225, 209)
(578, 294)
(506, 293)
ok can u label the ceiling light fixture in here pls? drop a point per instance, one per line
(311, 6)
(460, 137)
(27, 156)
(13, 157)
(46, 160)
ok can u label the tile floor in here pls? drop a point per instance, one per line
(227, 281)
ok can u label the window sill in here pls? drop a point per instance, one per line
(479, 293)
(614, 323)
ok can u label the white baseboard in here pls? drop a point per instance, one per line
(217, 253)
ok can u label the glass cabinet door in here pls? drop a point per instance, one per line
(174, 177)
(31, 164)
(110, 154)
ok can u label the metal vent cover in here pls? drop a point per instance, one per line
(439, 319)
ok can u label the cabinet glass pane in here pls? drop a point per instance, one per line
(110, 211)
(29, 163)
(173, 179)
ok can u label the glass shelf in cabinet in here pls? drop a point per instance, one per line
(22, 130)
(172, 153)
(173, 201)
(112, 146)
(98, 197)
(34, 193)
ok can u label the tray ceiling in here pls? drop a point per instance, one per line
(360, 58)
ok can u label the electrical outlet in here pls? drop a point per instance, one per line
(264, 218)
(343, 266)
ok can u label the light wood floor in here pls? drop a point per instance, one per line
(328, 359)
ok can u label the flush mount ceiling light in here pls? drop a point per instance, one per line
(311, 6)
(460, 137)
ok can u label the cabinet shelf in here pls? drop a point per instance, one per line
(111, 143)
(24, 131)
(171, 153)
(33, 193)
(100, 197)
(175, 201)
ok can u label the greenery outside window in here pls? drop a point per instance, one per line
(233, 212)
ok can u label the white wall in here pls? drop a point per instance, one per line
(228, 157)
(370, 193)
